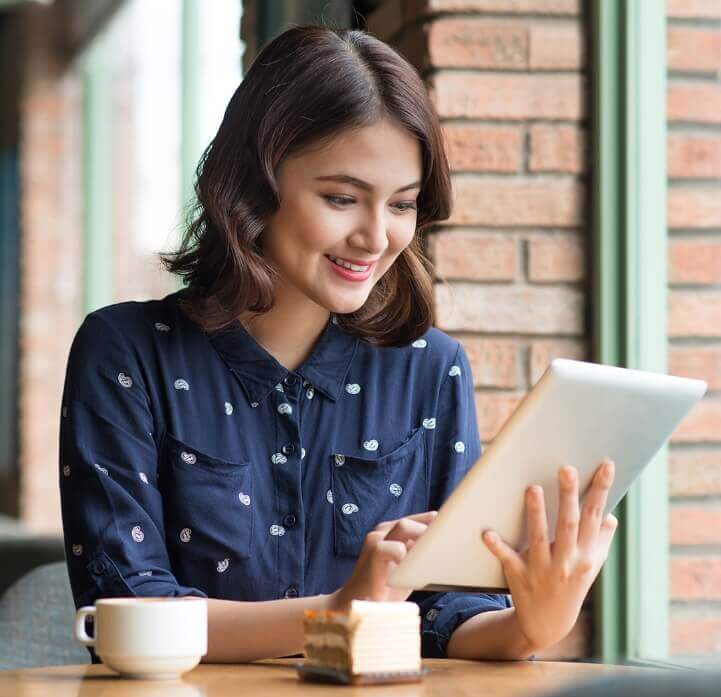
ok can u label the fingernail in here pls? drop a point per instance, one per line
(490, 536)
(568, 474)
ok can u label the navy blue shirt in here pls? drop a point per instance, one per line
(194, 463)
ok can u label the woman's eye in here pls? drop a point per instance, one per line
(339, 200)
(404, 206)
(343, 201)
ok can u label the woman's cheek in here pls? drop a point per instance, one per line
(402, 238)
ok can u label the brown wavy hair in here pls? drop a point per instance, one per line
(305, 86)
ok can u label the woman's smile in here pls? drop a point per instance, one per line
(350, 271)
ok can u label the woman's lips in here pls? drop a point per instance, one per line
(349, 275)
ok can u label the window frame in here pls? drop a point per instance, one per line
(631, 597)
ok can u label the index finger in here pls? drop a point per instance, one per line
(594, 505)
(425, 517)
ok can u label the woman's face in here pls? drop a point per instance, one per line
(353, 198)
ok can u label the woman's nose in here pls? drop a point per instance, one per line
(372, 235)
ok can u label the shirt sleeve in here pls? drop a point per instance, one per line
(456, 447)
(111, 505)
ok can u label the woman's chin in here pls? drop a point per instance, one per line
(345, 307)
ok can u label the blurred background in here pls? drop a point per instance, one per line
(585, 144)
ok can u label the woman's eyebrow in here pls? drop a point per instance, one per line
(354, 181)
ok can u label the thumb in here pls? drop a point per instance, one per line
(386, 555)
(389, 551)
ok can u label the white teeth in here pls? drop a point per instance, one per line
(346, 264)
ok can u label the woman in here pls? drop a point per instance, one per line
(277, 435)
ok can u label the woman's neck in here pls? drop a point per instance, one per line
(287, 332)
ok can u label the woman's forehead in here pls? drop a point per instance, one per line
(382, 154)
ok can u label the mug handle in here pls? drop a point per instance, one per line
(80, 633)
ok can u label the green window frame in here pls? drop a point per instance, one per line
(631, 598)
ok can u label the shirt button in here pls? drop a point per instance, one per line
(99, 568)
(288, 449)
(290, 380)
(289, 521)
(291, 592)
(431, 614)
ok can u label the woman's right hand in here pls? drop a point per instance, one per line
(383, 548)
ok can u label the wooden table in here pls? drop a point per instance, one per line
(276, 678)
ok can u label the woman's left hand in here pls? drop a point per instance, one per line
(548, 582)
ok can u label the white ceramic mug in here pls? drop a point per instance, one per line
(147, 638)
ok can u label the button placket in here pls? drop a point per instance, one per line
(289, 513)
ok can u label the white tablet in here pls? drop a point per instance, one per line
(576, 414)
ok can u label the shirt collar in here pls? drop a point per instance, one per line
(259, 372)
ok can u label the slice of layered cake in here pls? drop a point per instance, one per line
(372, 642)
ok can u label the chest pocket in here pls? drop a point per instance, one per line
(208, 508)
(369, 489)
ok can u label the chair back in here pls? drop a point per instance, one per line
(36, 621)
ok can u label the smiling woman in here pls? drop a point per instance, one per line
(279, 433)
(304, 168)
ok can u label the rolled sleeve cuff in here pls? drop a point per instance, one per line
(441, 615)
(110, 582)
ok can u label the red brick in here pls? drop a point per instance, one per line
(703, 362)
(694, 208)
(543, 352)
(694, 261)
(51, 249)
(512, 309)
(702, 9)
(694, 634)
(478, 148)
(694, 156)
(517, 202)
(512, 97)
(478, 43)
(696, 578)
(493, 410)
(694, 525)
(556, 258)
(557, 149)
(694, 49)
(494, 362)
(414, 8)
(556, 46)
(700, 102)
(694, 472)
(475, 256)
(692, 313)
(51, 209)
(702, 425)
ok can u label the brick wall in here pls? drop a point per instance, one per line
(694, 257)
(51, 255)
(51, 221)
(509, 81)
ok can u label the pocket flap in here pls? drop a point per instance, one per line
(182, 454)
(374, 458)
